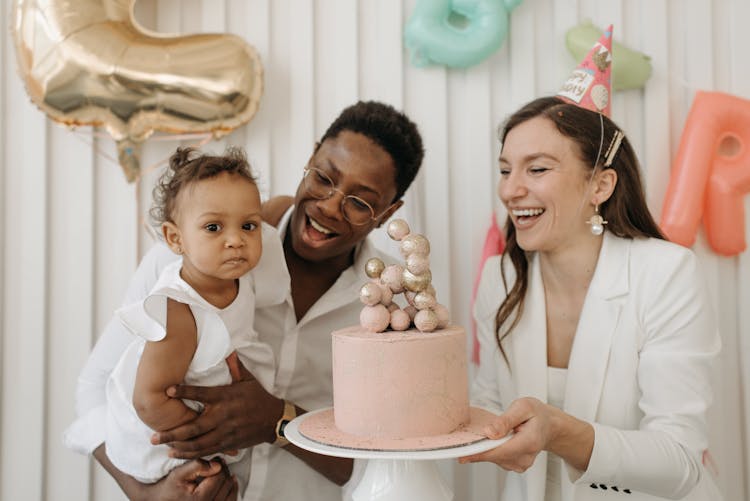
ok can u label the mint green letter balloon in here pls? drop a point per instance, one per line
(456, 33)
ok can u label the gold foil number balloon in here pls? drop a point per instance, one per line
(88, 62)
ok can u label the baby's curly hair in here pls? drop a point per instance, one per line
(186, 168)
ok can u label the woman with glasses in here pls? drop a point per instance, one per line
(353, 183)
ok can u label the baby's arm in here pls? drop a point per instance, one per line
(163, 364)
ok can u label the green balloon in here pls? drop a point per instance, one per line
(630, 68)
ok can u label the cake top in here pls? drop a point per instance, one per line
(357, 333)
(413, 279)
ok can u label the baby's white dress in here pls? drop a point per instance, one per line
(220, 332)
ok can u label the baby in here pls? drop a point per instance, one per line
(198, 316)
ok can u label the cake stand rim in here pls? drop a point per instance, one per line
(293, 434)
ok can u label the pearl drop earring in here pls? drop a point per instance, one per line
(597, 223)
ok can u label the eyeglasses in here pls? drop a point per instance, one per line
(355, 210)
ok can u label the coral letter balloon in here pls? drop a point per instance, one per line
(711, 174)
(87, 62)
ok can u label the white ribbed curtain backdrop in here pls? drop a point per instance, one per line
(72, 228)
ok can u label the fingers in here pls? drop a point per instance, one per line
(237, 370)
(194, 471)
(519, 446)
(216, 487)
(245, 375)
(222, 487)
(498, 455)
(498, 428)
(228, 491)
(233, 363)
(518, 413)
(204, 394)
(234, 491)
(213, 442)
(202, 429)
(474, 458)
(238, 417)
(511, 459)
(520, 450)
(188, 431)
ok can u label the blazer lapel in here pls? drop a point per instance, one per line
(597, 324)
(528, 344)
(528, 341)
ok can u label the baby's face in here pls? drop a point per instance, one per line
(219, 223)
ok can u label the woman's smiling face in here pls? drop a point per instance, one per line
(544, 185)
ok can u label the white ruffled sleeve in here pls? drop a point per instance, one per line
(148, 319)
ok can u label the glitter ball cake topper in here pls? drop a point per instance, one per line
(413, 280)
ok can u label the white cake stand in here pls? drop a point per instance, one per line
(393, 475)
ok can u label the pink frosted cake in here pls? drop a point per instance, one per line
(400, 384)
(400, 379)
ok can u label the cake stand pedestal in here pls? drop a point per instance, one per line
(393, 475)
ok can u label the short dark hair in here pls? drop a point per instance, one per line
(188, 165)
(390, 129)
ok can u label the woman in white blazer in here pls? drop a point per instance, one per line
(596, 346)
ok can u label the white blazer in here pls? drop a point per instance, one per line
(638, 372)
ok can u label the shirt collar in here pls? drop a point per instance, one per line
(344, 290)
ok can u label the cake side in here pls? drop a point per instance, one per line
(400, 384)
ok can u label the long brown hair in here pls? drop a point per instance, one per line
(626, 212)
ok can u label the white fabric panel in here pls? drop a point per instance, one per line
(70, 312)
(656, 153)
(251, 20)
(25, 280)
(301, 79)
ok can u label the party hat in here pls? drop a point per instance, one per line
(590, 83)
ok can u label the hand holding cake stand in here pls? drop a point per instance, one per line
(407, 471)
